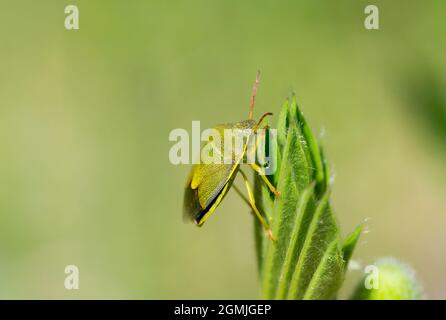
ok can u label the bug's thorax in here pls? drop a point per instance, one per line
(245, 124)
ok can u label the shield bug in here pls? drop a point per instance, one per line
(209, 182)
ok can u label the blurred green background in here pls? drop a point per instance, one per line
(85, 117)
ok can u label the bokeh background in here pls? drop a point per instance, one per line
(85, 117)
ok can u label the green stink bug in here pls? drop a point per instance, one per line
(208, 183)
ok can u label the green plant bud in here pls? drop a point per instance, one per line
(388, 279)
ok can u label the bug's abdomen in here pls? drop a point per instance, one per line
(196, 210)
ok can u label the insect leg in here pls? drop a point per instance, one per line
(265, 179)
(252, 150)
(253, 206)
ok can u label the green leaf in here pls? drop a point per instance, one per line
(328, 277)
(294, 176)
(313, 149)
(308, 259)
(282, 124)
(350, 243)
(322, 231)
(303, 213)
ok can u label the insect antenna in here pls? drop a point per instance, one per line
(261, 119)
(254, 93)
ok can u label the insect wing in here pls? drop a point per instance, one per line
(207, 181)
(198, 199)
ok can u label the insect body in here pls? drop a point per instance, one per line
(208, 183)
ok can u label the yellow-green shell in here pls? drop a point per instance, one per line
(207, 184)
